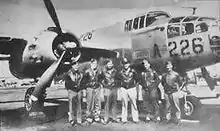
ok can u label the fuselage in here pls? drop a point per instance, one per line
(194, 44)
(186, 40)
(142, 37)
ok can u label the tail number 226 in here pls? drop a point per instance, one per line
(185, 44)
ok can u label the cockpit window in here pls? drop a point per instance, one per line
(157, 13)
(187, 28)
(135, 24)
(173, 30)
(149, 21)
(176, 20)
(201, 27)
(206, 19)
(128, 25)
(190, 18)
(141, 24)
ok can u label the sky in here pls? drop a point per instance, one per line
(20, 14)
(94, 4)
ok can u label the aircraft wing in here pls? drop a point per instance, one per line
(5, 45)
(8, 45)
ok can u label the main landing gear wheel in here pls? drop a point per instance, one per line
(27, 101)
(31, 106)
(191, 109)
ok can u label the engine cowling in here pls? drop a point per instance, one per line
(66, 41)
(45, 49)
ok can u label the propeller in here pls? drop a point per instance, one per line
(53, 15)
(47, 77)
(62, 37)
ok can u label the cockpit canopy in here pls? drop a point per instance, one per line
(186, 25)
(143, 21)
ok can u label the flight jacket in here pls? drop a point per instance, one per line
(127, 78)
(171, 82)
(73, 80)
(149, 79)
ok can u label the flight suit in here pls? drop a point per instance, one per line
(108, 80)
(128, 83)
(73, 86)
(93, 94)
(149, 80)
(171, 82)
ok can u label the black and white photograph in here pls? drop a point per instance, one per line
(109, 65)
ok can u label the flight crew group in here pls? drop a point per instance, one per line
(126, 80)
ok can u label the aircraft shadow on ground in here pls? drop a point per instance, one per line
(17, 117)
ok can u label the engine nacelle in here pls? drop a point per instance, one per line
(45, 49)
(66, 41)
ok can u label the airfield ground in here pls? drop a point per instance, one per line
(12, 118)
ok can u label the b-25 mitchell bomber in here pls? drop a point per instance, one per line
(188, 41)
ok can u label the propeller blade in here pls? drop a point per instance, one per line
(209, 80)
(47, 77)
(51, 10)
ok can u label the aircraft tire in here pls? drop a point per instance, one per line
(32, 106)
(192, 112)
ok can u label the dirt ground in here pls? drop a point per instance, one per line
(12, 116)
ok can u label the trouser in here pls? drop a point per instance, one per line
(130, 94)
(150, 103)
(172, 104)
(93, 103)
(75, 105)
(110, 103)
